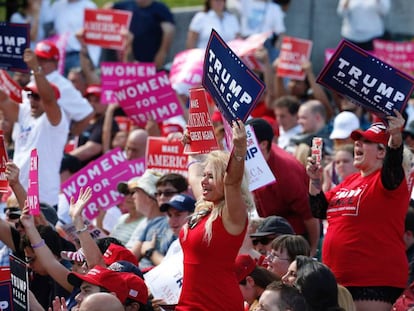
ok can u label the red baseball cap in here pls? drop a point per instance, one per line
(93, 89)
(116, 253)
(47, 50)
(123, 284)
(32, 87)
(377, 133)
(244, 265)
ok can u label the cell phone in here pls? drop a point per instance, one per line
(316, 151)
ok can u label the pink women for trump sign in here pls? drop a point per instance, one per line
(33, 188)
(115, 75)
(103, 176)
(150, 98)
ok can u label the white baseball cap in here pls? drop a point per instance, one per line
(343, 125)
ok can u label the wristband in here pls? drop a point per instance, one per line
(85, 227)
(38, 245)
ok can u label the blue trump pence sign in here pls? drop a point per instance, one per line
(233, 86)
(366, 80)
(14, 39)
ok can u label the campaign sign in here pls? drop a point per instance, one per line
(199, 125)
(33, 188)
(103, 176)
(233, 86)
(150, 98)
(366, 80)
(10, 87)
(5, 289)
(399, 50)
(166, 279)
(246, 48)
(259, 172)
(187, 68)
(166, 156)
(14, 39)
(4, 183)
(115, 75)
(328, 54)
(398, 54)
(104, 27)
(293, 53)
(20, 284)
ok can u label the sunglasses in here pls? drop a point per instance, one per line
(30, 260)
(33, 96)
(263, 241)
(167, 193)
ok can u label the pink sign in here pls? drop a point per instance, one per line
(33, 188)
(115, 75)
(166, 156)
(246, 48)
(293, 53)
(4, 183)
(60, 41)
(187, 68)
(103, 176)
(398, 54)
(12, 89)
(150, 98)
(328, 54)
(104, 27)
(199, 125)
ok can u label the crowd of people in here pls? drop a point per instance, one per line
(331, 235)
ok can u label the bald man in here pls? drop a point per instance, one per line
(136, 144)
(101, 301)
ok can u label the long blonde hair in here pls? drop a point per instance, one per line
(218, 161)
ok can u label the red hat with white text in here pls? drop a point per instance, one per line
(47, 50)
(377, 133)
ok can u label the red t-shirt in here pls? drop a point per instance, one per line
(364, 242)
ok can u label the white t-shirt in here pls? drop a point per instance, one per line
(261, 17)
(227, 27)
(75, 106)
(283, 140)
(49, 141)
(67, 17)
(363, 20)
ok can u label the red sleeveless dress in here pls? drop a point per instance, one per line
(210, 282)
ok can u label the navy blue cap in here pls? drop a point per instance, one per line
(181, 202)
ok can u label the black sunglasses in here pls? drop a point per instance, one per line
(264, 240)
(167, 193)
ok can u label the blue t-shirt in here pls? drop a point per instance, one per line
(146, 27)
(158, 225)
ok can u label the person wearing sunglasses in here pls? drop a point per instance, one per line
(284, 250)
(271, 227)
(42, 125)
(166, 187)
